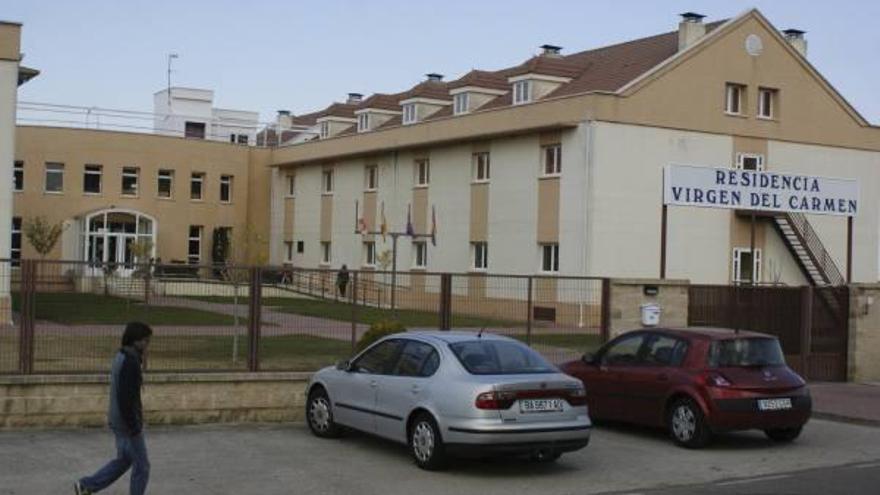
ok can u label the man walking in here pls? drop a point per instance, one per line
(125, 416)
(342, 280)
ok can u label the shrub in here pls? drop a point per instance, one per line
(378, 330)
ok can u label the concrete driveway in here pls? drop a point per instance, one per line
(286, 459)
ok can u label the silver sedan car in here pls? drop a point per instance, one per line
(452, 393)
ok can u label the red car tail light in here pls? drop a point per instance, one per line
(495, 400)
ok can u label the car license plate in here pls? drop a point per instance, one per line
(774, 404)
(540, 405)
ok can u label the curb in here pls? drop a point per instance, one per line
(838, 418)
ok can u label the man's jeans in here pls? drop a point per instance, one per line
(130, 452)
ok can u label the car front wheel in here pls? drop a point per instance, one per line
(783, 435)
(687, 425)
(319, 415)
(426, 444)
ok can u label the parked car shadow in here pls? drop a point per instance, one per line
(733, 441)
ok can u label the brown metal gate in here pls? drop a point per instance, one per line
(812, 323)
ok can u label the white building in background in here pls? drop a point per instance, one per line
(190, 112)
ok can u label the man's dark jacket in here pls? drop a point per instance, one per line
(126, 379)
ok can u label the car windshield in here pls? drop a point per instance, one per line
(499, 357)
(745, 352)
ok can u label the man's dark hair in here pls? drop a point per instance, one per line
(135, 331)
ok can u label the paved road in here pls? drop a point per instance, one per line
(285, 459)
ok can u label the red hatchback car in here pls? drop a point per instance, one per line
(695, 382)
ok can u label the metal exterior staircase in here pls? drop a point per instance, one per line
(808, 250)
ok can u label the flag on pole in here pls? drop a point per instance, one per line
(409, 226)
(433, 226)
(384, 227)
(362, 226)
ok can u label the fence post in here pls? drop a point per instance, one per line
(530, 309)
(354, 311)
(445, 301)
(26, 328)
(605, 330)
(254, 317)
(806, 328)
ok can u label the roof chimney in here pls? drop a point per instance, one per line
(551, 50)
(283, 113)
(690, 29)
(795, 38)
(435, 77)
(354, 98)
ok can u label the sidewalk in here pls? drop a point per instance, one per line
(850, 402)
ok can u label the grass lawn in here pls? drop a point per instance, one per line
(577, 341)
(341, 311)
(78, 309)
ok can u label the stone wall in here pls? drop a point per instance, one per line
(51, 401)
(864, 333)
(627, 296)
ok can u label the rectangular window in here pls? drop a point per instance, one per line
(460, 103)
(243, 139)
(766, 103)
(300, 247)
(18, 176)
(291, 185)
(363, 122)
(550, 258)
(166, 182)
(327, 181)
(288, 250)
(552, 159)
(371, 177)
(750, 161)
(196, 181)
(54, 177)
(522, 92)
(480, 252)
(130, 181)
(420, 254)
(409, 113)
(225, 188)
(422, 172)
(326, 254)
(194, 130)
(325, 130)
(481, 167)
(733, 98)
(744, 265)
(92, 179)
(15, 251)
(369, 253)
(194, 250)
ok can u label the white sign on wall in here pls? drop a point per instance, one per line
(708, 187)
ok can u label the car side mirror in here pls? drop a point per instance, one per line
(343, 365)
(589, 358)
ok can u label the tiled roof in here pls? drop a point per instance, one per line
(482, 79)
(437, 90)
(345, 110)
(382, 101)
(308, 119)
(547, 65)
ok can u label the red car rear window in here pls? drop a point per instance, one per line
(753, 351)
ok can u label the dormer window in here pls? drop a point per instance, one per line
(363, 122)
(325, 130)
(409, 113)
(522, 92)
(461, 103)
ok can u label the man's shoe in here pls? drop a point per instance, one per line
(78, 489)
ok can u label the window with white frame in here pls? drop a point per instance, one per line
(409, 113)
(550, 258)
(371, 177)
(734, 94)
(522, 92)
(460, 103)
(745, 265)
(165, 183)
(481, 167)
(369, 253)
(422, 172)
(225, 188)
(551, 158)
(750, 161)
(480, 255)
(291, 185)
(15, 250)
(194, 249)
(92, 179)
(327, 181)
(363, 122)
(325, 130)
(18, 176)
(420, 254)
(54, 177)
(325, 252)
(130, 181)
(196, 181)
(288, 250)
(766, 102)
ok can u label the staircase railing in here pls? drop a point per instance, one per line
(815, 249)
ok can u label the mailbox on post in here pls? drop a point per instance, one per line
(650, 314)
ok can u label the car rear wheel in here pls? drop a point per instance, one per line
(319, 415)
(426, 444)
(687, 425)
(783, 435)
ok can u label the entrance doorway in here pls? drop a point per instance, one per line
(111, 240)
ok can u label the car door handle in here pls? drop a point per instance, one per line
(416, 389)
(374, 383)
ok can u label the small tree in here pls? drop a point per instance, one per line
(142, 250)
(42, 234)
(220, 248)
